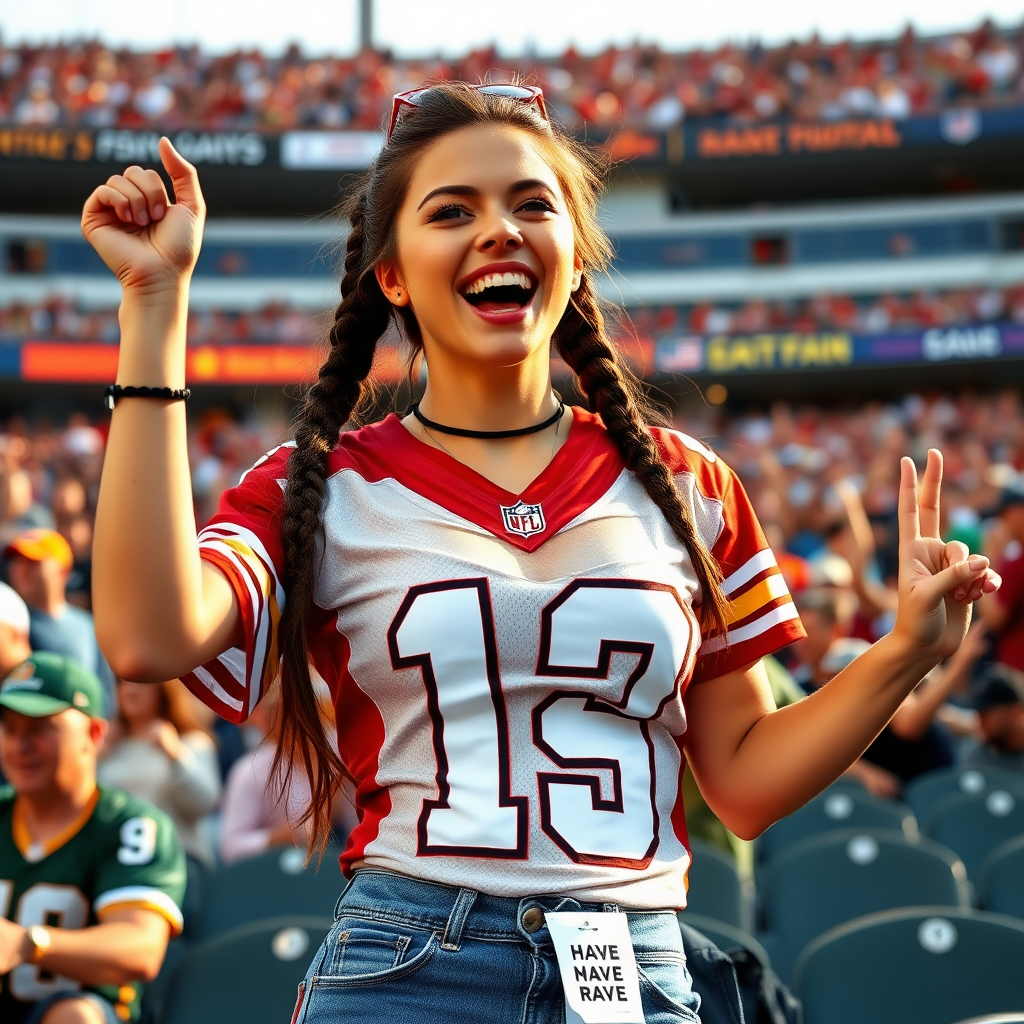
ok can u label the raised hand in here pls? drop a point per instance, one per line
(938, 582)
(151, 245)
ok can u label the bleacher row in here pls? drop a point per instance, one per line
(870, 910)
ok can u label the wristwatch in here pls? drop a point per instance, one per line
(40, 938)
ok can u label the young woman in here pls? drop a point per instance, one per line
(520, 609)
(158, 750)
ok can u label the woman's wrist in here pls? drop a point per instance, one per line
(153, 339)
(905, 658)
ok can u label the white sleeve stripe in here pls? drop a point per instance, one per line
(139, 894)
(746, 572)
(783, 613)
(209, 681)
(220, 531)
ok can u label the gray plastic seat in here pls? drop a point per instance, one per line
(928, 965)
(274, 884)
(823, 881)
(1001, 886)
(839, 808)
(973, 826)
(249, 974)
(725, 937)
(715, 890)
(927, 791)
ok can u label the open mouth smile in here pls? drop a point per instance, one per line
(500, 292)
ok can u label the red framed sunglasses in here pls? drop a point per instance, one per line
(526, 94)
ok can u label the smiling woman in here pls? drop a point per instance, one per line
(524, 614)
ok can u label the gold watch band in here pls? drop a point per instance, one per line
(40, 938)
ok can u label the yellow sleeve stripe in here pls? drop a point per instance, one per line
(175, 921)
(769, 589)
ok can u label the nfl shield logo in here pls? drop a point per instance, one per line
(523, 519)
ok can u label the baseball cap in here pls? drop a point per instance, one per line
(998, 686)
(48, 683)
(1012, 494)
(39, 544)
(13, 611)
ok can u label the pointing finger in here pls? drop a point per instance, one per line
(908, 512)
(928, 499)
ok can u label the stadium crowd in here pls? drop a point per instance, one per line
(87, 84)
(59, 319)
(823, 481)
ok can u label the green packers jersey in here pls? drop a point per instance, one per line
(122, 852)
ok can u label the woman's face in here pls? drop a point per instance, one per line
(138, 702)
(485, 247)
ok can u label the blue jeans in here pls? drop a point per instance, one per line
(411, 952)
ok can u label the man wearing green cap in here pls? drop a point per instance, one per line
(91, 879)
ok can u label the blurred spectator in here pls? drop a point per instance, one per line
(1004, 610)
(85, 83)
(257, 811)
(14, 630)
(999, 701)
(158, 751)
(38, 564)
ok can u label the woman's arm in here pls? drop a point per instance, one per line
(918, 711)
(196, 775)
(160, 611)
(754, 764)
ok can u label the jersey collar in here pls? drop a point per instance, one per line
(580, 472)
(35, 852)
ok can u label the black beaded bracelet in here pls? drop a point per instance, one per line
(115, 391)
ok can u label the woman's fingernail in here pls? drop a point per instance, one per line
(142, 218)
(977, 562)
(158, 212)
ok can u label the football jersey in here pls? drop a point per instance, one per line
(122, 852)
(508, 671)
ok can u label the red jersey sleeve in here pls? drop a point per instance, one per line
(761, 617)
(243, 540)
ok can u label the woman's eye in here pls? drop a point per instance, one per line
(537, 205)
(450, 211)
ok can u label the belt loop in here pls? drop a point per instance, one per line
(457, 919)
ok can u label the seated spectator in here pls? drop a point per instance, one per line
(1004, 610)
(14, 630)
(105, 871)
(999, 701)
(158, 751)
(257, 812)
(38, 564)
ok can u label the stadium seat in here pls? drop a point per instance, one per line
(930, 789)
(926, 965)
(272, 885)
(839, 808)
(998, 1018)
(725, 937)
(249, 974)
(827, 879)
(192, 904)
(1001, 885)
(974, 825)
(715, 890)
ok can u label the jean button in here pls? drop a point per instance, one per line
(533, 919)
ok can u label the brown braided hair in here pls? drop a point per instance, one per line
(341, 390)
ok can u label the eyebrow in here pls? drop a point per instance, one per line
(469, 190)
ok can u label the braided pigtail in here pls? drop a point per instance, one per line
(359, 321)
(582, 342)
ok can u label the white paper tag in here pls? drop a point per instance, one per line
(595, 959)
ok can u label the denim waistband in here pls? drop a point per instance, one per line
(457, 913)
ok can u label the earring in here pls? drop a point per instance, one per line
(577, 280)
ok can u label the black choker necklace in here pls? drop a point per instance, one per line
(488, 435)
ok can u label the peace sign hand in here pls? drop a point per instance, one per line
(151, 245)
(938, 582)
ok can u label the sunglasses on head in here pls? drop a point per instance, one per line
(526, 94)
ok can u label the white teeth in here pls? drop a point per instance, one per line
(507, 280)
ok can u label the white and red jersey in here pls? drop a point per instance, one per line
(508, 671)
